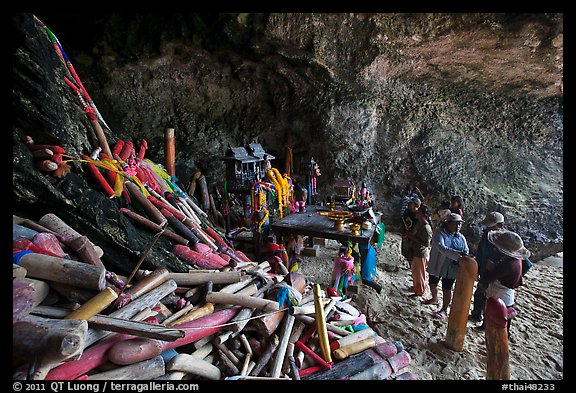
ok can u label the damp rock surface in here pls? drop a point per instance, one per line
(468, 104)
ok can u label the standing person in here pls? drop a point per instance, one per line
(486, 251)
(448, 245)
(505, 275)
(457, 205)
(409, 220)
(421, 237)
(409, 192)
(406, 197)
(442, 213)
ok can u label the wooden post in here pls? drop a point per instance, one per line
(388, 348)
(102, 141)
(41, 289)
(495, 328)
(321, 321)
(220, 346)
(204, 195)
(318, 359)
(18, 272)
(225, 361)
(295, 335)
(136, 350)
(151, 225)
(354, 348)
(91, 358)
(71, 293)
(246, 364)
(133, 308)
(293, 367)
(203, 236)
(180, 228)
(194, 365)
(169, 151)
(379, 371)
(242, 300)
(358, 363)
(48, 341)
(198, 278)
(34, 226)
(23, 296)
(460, 307)
(144, 370)
(144, 285)
(399, 361)
(169, 320)
(266, 355)
(306, 309)
(352, 338)
(98, 177)
(136, 328)
(206, 309)
(406, 376)
(57, 225)
(65, 271)
(334, 329)
(94, 305)
(85, 250)
(151, 211)
(201, 352)
(283, 345)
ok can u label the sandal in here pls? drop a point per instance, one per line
(429, 301)
(439, 314)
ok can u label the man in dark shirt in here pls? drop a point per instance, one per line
(486, 250)
(409, 219)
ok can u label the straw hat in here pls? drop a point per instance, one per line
(492, 219)
(454, 217)
(509, 243)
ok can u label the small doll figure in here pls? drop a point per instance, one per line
(343, 270)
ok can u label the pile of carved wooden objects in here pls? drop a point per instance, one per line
(228, 317)
(241, 321)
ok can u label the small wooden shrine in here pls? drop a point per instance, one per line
(245, 166)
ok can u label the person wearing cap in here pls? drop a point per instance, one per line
(505, 275)
(448, 245)
(409, 219)
(409, 192)
(485, 250)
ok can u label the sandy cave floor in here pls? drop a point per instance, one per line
(536, 344)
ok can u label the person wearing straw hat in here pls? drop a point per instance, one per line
(485, 250)
(448, 245)
(505, 275)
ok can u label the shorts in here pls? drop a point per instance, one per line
(447, 283)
